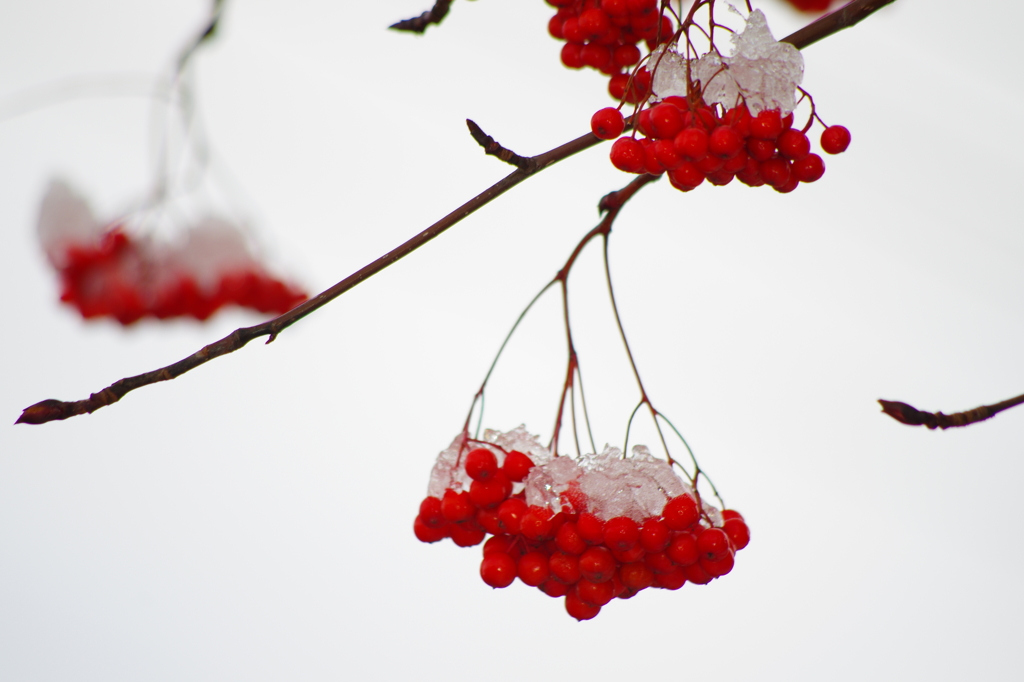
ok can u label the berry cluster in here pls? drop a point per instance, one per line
(604, 34)
(573, 548)
(694, 143)
(105, 272)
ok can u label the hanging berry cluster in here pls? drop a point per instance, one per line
(714, 118)
(604, 35)
(588, 531)
(106, 272)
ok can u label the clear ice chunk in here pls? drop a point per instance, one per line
(762, 71)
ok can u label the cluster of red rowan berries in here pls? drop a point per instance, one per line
(117, 278)
(604, 34)
(692, 144)
(573, 553)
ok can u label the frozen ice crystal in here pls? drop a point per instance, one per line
(212, 248)
(547, 484)
(65, 219)
(762, 71)
(449, 471)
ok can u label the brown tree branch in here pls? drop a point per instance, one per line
(492, 147)
(911, 416)
(419, 24)
(53, 410)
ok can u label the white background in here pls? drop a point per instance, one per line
(252, 520)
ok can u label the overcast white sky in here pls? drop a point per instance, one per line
(252, 520)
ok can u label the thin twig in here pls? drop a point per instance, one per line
(419, 24)
(492, 147)
(53, 410)
(844, 17)
(911, 416)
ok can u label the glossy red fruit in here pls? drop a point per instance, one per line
(564, 568)
(572, 55)
(532, 568)
(665, 121)
(636, 576)
(739, 534)
(568, 539)
(659, 562)
(767, 125)
(627, 155)
(692, 143)
(672, 580)
(579, 609)
(430, 512)
(590, 528)
(500, 543)
(634, 553)
(517, 466)
(666, 155)
(466, 534)
(597, 564)
(686, 177)
(654, 535)
(626, 55)
(481, 464)
(683, 550)
(835, 140)
(607, 123)
(537, 524)
(713, 544)
(510, 515)
(809, 168)
(716, 568)
(724, 142)
(731, 514)
(456, 507)
(428, 533)
(697, 575)
(775, 172)
(621, 533)
(595, 594)
(492, 492)
(681, 512)
(793, 144)
(488, 520)
(553, 588)
(498, 569)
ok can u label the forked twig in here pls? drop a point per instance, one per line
(53, 410)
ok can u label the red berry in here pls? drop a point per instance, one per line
(517, 466)
(835, 140)
(607, 124)
(594, 23)
(739, 534)
(718, 567)
(809, 168)
(456, 507)
(428, 533)
(671, 581)
(537, 524)
(564, 568)
(793, 144)
(628, 155)
(721, 177)
(683, 550)
(466, 534)
(490, 493)
(686, 177)
(634, 553)
(578, 609)
(532, 568)
(692, 143)
(430, 512)
(568, 539)
(499, 543)
(731, 514)
(555, 27)
(697, 575)
(571, 55)
(617, 86)
(596, 56)
(597, 564)
(666, 155)
(636, 576)
(590, 528)
(498, 569)
(725, 142)
(761, 150)
(767, 125)
(713, 544)
(626, 55)
(510, 515)
(736, 163)
(481, 464)
(658, 562)
(665, 121)
(621, 533)
(553, 588)
(488, 520)
(775, 171)
(595, 594)
(654, 535)
(681, 512)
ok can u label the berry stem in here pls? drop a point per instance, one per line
(55, 410)
(911, 416)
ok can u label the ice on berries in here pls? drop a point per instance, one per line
(65, 220)
(449, 472)
(761, 70)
